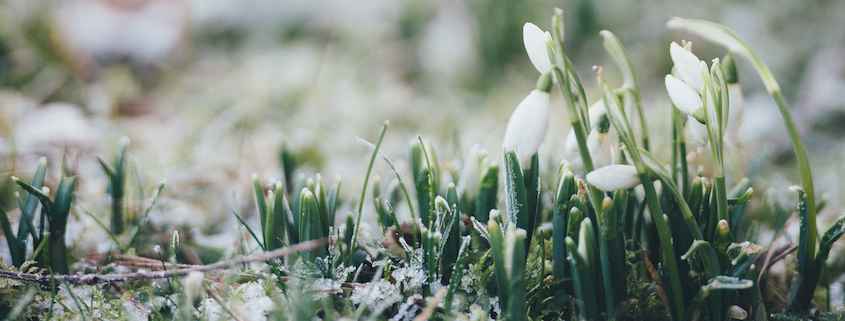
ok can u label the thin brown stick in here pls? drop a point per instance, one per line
(91, 279)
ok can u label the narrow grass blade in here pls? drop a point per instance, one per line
(515, 194)
(29, 205)
(582, 282)
(333, 198)
(487, 189)
(10, 238)
(565, 189)
(532, 195)
(457, 274)
(354, 242)
(260, 202)
(800, 302)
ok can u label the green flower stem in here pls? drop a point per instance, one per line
(726, 37)
(680, 144)
(561, 68)
(668, 257)
(563, 72)
(721, 196)
(626, 134)
(620, 55)
(714, 103)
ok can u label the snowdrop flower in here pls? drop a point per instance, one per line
(614, 177)
(602, 147)
(537, 43)
(685, 98)
(601, 142)
(527, 126)
(687, 64)
(685, 90)
(697, 133)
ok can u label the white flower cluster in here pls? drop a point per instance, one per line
(685, 92)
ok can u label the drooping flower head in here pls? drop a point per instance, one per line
(685, 92)
(614, 177)
(529, 122)
(602, 141)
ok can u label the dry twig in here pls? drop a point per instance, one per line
(91, 279)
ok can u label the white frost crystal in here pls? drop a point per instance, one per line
(409, 278)
(252, 302)
(408, 310)
(375, 294)
(324, 286)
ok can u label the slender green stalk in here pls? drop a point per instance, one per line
(632, 88)
(564, 74)
(354, 241)
(626, 134)
(432, 179)
(713, 103)
(681, 153)
(726, 37)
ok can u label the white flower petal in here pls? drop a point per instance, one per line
(570, 149)
(614, 177)
(527, 126)
(682, 95)
(535, 44)
(572, 152)
(596, 109)
(735, 114)
(687, 64)
(602, 148)
(697, 133)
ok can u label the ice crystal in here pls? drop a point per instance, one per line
(409, 309)
(409, 279)
(135, 312)
(252, 301)
(376, 294)
(210, 310)
(494, 302)
(323, 286)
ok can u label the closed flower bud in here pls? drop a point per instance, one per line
(614, 177)
(527, 126)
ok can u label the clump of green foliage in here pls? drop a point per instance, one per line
(641, 239)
